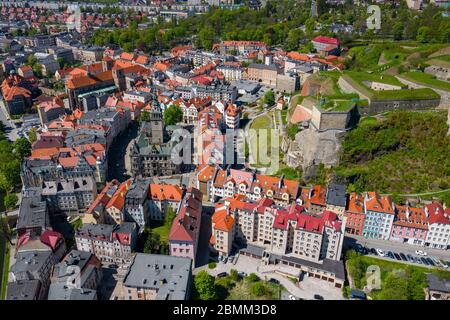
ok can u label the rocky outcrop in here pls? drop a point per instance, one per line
(312, 147)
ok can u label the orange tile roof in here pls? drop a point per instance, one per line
(379, 203)
(355, 203)
(165, 192)
(69, 162)
(86, 81)
(222, 221)
(118, 199)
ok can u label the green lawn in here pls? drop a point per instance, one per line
(427, 80)
(399, 281)
(4, 265)
(403, 94)
(262, 123)
(161, 229)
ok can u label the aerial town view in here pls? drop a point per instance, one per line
(225, 150)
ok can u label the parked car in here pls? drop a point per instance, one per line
(381, 253)
(431, 262)
(390, 254)
(318, 297)
(410, 258)
(230, 259)
(361, 249)
(272, 280)
(397, 256)
(373, 251)
(424, 261)
(292, 297)
(113, 266)
(421, 253)
(402, 255)
(417, 260)
(242, 274)
(221, 275)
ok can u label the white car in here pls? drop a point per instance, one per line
(292, 297)
(381, 253)
(421, 253)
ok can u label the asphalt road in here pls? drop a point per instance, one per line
(117, 154)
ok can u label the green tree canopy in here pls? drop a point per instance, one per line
(173, 115)
(204, 284)
(10, 201)
(22, 148)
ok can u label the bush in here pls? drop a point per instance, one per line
(253, 277)
(212, 265)
(259, 289)
(10, 201)
(234, 275)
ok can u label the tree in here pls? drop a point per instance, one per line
(170, 216)
(145, 116)
(5, 230)
(22, 148)
(10, 201)
(398, 30)
(173, 115)
(204, 284)
(293, 39)
(423, 34)
(258, 289)
(253, 277)
(152, 243)
(269, 98)
(32, 135)
(9, 175)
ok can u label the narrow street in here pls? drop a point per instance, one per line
(118, 162)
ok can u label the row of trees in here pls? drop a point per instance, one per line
(279, 24)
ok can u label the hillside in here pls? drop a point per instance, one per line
(406, 152)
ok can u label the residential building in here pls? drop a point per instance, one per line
(72, 196)
(379, 212)
(336, 199)
(86, 266)
(410, 225)
(438, 236)
(216, 183)
(18, 93)
(185, 231)
(111, 244)
(266, 74)
(25, 290)
(136, 202)
(156, 277)
(33, 265)
(161, 197)
(33, 217)
(239, 47)
(355, 214)
(326, 46)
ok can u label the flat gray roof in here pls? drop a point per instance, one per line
(170, 276)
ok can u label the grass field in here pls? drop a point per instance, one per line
(262, 124)
(427, 80)
(161, 229)
(404, 94)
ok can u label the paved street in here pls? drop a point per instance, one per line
(307, 288)
(10, 129)
(118, 162)
(394, 246)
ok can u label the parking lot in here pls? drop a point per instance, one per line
(420, 256)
